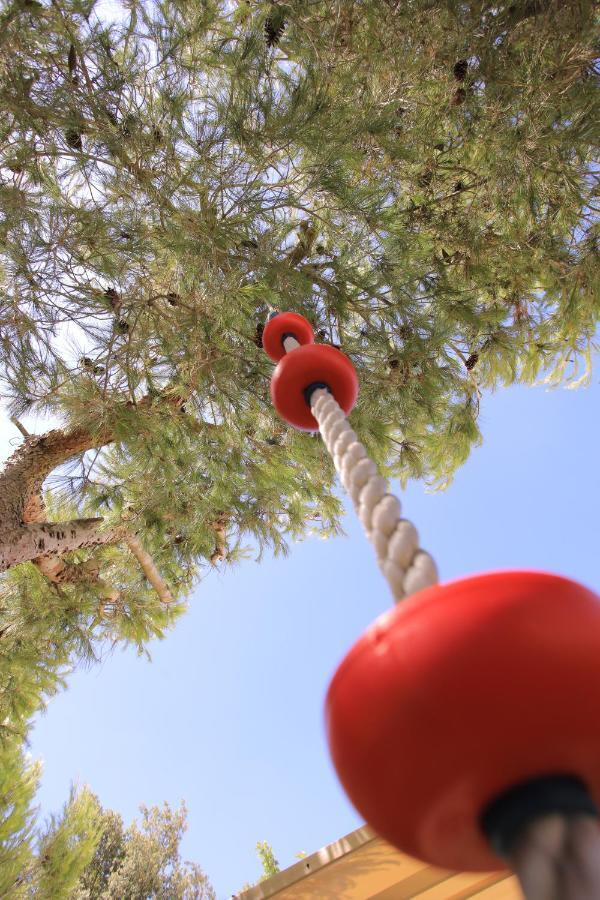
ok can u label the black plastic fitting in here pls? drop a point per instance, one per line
(315, 386)
(504, 820)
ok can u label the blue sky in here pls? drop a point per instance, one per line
(228, 715)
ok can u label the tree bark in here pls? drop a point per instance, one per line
(52, 538)
(27, 469)
(149, 568)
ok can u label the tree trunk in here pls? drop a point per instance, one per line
(25, 536)
(25, 472)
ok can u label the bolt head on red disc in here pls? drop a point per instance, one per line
(460, 693)
(304, 366)
(281, 325)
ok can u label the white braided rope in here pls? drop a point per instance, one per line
(405, 566)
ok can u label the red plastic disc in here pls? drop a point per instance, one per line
(280, 325)
(459, 693)
(314, 363)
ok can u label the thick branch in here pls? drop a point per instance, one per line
(55, 568)
(26, 470)
(60, 572)
(52, 538)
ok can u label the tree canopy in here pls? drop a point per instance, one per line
(416, 178)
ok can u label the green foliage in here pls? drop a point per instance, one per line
(268, 862)
(18, 783)
(86, 853)
(66, 847)
(44, 631)
(142, 861)
(42, 862)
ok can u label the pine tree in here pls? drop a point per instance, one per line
(41, 861)
(18, 783)
(415, 178)
(268, 863)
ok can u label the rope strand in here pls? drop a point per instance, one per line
(405, 566)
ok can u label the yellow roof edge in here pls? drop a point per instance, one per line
(309, 865)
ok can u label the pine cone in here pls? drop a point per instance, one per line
(72, 62)
(274, 28)
(113, 297)
(122, 326)
(460, 69)
(472, 361)
(259, 334)
(459, 97)
(74, 139)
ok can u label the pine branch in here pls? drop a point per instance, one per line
(23, 533)
(149, 568)
(20, 427)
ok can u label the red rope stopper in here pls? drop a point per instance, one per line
(282, 325)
